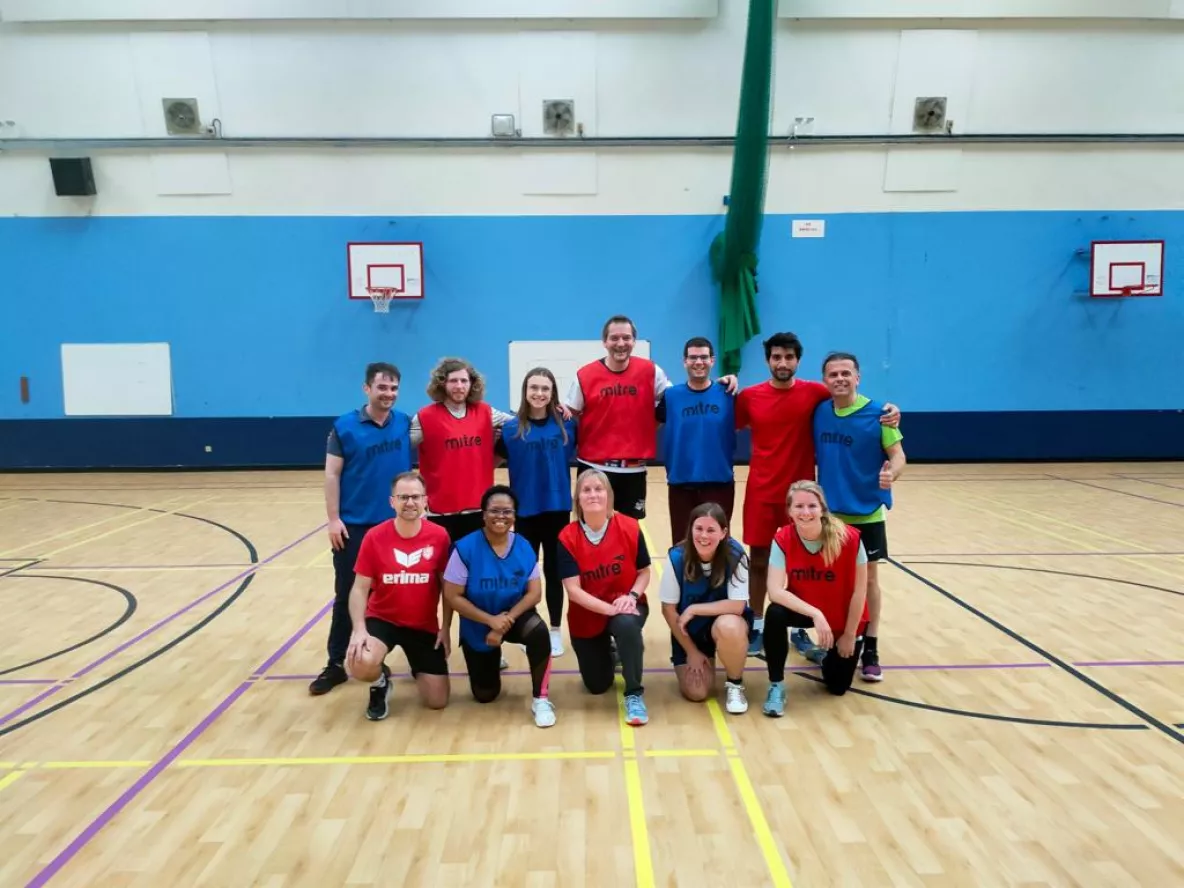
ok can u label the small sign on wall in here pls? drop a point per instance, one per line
(809, 228)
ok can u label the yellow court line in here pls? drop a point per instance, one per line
(156, 516)
(8, 779)
(71, 766)
(643, 856)
(681, 753)
(426, 759)
(65, 533)
(291, 761)
(752, 804)
(961, 502)
(325, 553)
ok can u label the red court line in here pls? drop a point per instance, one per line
(24, 707)
(84, 837)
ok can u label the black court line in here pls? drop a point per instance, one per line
(1150, 499)
(988, 716)
(1057, 661)
(1147, 480)
(24, 565)
(127, 670)
(188, 633)
(129, 609)
(1061, 573)
(254, 555)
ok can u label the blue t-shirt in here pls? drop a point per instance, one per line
(699, 435)
(493, 583)
(374, 455)
(849, 451)
(539, 464)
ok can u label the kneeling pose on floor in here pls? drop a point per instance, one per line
(395, 599)
(492, 581)
(605, 568)
(817, 577)
(705, 602)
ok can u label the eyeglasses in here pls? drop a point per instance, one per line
(408, 497)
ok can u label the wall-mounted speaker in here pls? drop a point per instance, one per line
(72, 176)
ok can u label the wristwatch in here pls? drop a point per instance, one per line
(636, 597)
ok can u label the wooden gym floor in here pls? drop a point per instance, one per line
(155, 728)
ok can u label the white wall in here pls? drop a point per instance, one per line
(677, 76)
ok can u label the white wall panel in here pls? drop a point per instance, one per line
(263, 10)
(978, 9)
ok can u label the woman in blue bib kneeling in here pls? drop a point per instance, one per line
(492, 581)
(704, 597)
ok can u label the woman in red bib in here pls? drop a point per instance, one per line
(605, 569)
(817, 578)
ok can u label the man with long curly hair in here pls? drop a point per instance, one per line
(455, 436)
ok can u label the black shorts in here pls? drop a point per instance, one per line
(628, 491)
(424, 657)
(703, 641)
(874, 537)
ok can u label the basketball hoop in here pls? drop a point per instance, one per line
(381, 297)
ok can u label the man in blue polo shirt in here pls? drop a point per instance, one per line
(698, 439)
(367, 448)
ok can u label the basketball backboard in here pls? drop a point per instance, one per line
(1126, 268)
(395, 265)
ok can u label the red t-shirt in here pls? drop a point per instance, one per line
(404, 574)
(782, 426)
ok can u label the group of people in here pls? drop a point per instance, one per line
(414, 548)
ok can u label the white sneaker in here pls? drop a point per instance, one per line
(736, 702)
(556, 642)
(505, 664)
(544, 712)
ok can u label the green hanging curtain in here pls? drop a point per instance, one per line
(734, 251)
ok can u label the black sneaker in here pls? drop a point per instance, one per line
(380, 697)
(331, 676)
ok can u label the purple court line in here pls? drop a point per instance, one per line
(927, 667)
(84, 837)
(29, 681)
(669, 670)
(24, 707)
(45, 566)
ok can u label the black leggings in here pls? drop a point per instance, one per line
(542, 532)
(837, 672)
(485, 672)
(595, 655)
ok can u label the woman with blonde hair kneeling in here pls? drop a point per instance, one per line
(818, 578)
(705, 602)
(605, 568)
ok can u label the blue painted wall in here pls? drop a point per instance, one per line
(949, 312)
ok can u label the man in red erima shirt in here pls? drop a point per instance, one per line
(616, 399)
(779, 413)
(395, 600)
